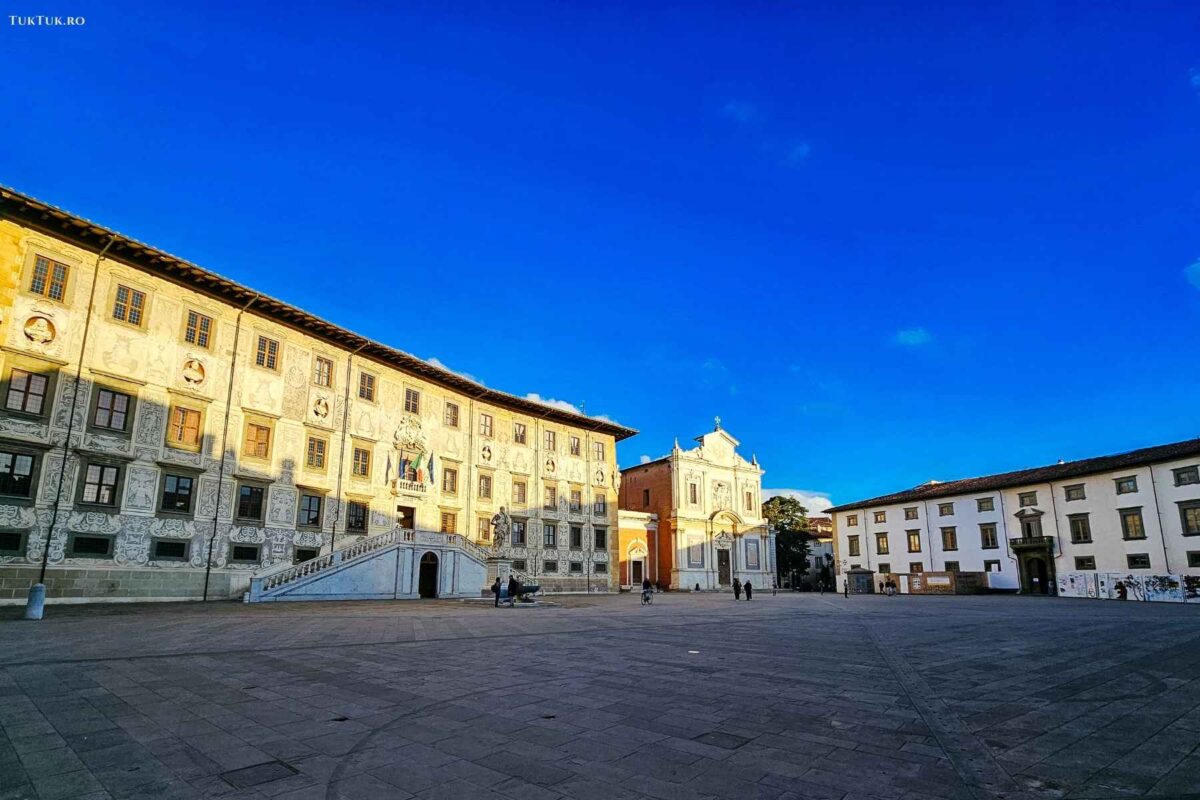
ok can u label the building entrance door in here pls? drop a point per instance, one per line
(427, 580)
(723, 567)
(637, 574)
(406, 517)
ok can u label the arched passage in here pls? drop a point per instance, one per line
(427, 578)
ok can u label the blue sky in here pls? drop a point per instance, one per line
(884, 243)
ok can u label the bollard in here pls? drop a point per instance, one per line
(36, 601)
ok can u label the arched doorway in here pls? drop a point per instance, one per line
(636, 564)
(427, 580)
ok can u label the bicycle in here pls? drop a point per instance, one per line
(647, 597)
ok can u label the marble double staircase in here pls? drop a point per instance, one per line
(402, 563)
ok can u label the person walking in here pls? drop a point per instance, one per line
(513, 589)
(749, 590)
(821, 587)
(496, 591)
(846, 588)
(737, 589)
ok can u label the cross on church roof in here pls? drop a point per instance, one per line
(718, 421)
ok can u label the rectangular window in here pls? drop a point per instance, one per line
(749, 501)
(449, 522)
(597, 451)
(258, 441)
(985, 504)
(885, 568)
(366, 387)
(1193, 558)
(852, 546)
(949, 539)
(550, 566)
(991, 566)
(549, 440)
(1085, 562)
(518, 565)
(129, 305)
(323, 372)
(169, 550)
(1138, 560)
(645, 498)
(600, 569)
(518, 534)
(49, 279)
(361, 463)
(600, 505)
(916, 567)
(576, 501)
(250, 503)
(412, 401)
(12, 543)
(1127, 484)
(945, 509)
(852, 520)
(1027, 499)
(520, 434)
(550, 499)
(1081, 528)
(914, 541)
(26, 392)
(112, 410)
(244, 553)
(85, 546)
(881, 516)
(450, 416)
(520, 493)
(183, 428)
(549, 535)
(694, 493)
(1131, 523)
(881, 544)
(177, 494)
(575, 446)
(100, 485)
(302, 554)
(1076, 492)
(910, 513)
(266, 354)
(198, 329)
(356, 516)
(485, 487)
(988, 539)
(576, 567)
(951, 566)
(16, 474)
(576, 538)
(449, 480)
(483, 529)
(1186, 476)
(600, 538)
(485, 424)
(1189, 517)
(314, 454)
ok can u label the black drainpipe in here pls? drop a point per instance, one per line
(337, 510)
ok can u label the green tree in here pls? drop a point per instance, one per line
(789, 519)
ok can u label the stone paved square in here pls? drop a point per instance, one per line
(789, 696)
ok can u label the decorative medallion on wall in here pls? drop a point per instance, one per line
(409, 435)
(486, 453)
(40, 330)
(321, 408)
(193, 372)
(550, 465)
(723, 540)
(600, 477)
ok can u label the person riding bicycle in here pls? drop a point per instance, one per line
(646, 590)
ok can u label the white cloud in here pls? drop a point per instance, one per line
(1192, 273)
(912, 337)
(561, 405)
(815, 502)
(437, 362)
(645, 459)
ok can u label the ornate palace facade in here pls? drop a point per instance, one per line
(128, 373)
(707, 529)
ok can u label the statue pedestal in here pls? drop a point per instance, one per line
(498, 567)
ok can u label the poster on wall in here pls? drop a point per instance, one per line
(1076, 584)
(1191, 588)
(1163, 588)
